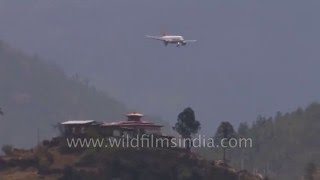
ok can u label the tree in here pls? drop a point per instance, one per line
(58, 127)
(187, 125)
(224, 133)
(310, 171)
(7, 149)
(243, 129)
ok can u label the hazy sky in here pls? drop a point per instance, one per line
(252, 56)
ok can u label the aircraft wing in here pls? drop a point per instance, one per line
(155, 37)
(187, 41)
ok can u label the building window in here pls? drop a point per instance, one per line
(82, 130)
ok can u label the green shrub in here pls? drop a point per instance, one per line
(7, 149)
(87, 158)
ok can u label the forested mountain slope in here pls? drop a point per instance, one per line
(35, 95)
(282, 145)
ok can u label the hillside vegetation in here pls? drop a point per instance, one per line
(35, 95)
(282, 145)
(49, 162)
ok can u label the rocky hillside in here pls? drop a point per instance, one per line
(50, 162)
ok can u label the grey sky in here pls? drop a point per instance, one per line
(251, 58)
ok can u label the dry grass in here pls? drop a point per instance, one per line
(16, 174)
(62, 160)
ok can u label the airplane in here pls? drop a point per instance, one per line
(172, 39)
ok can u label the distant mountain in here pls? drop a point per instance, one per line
(35, 95)
(252, 57)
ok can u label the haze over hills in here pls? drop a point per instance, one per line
(283, 145)
(36, 95)
(251, 58)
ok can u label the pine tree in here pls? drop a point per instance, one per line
(223, 135)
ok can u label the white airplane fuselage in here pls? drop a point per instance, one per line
(172, 39)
